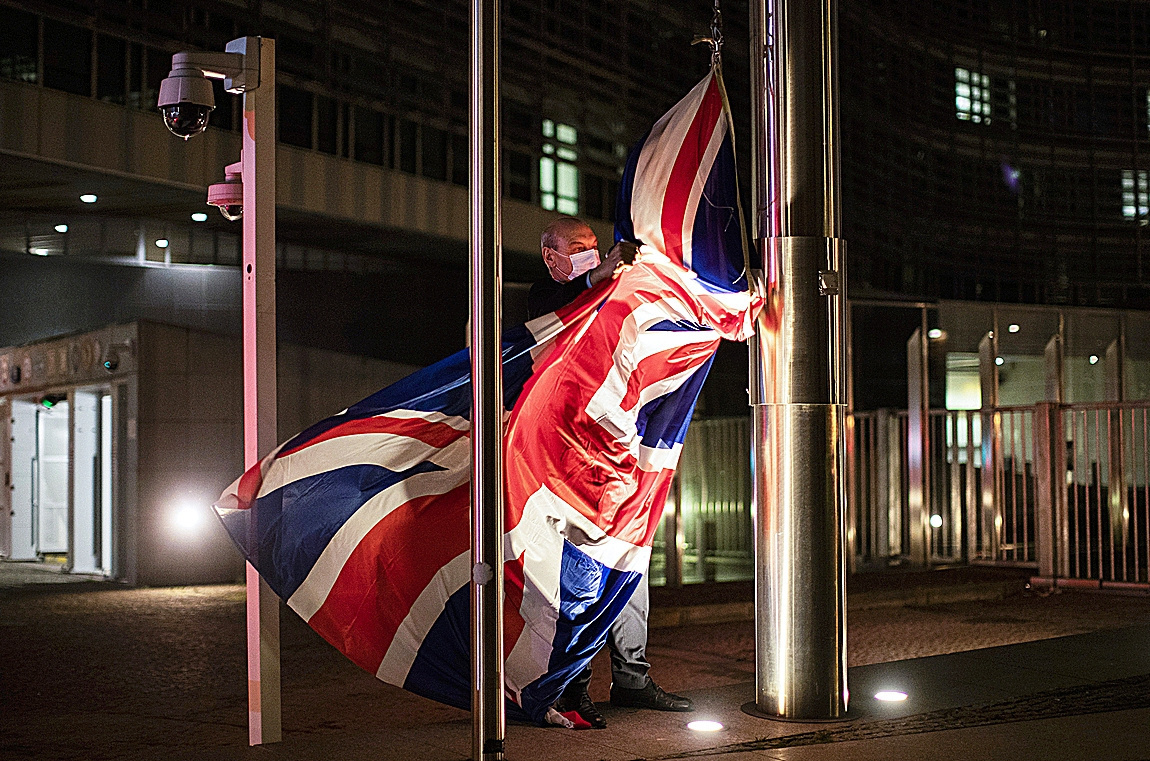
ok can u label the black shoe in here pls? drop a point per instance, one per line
(651, 696)
(582, 703)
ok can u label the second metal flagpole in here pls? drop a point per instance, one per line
(799, 409)
(487, 708)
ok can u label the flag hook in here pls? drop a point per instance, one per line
(715, 41)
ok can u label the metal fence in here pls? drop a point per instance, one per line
(709, 510)
(1100, 529)
(1064, 489)
(1060, 488)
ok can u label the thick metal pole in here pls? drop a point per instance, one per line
(798, 375)
(487, 710)
(259, 273)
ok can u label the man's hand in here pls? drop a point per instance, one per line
(618, 260)
(606, 267)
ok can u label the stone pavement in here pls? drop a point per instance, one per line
(93, 670)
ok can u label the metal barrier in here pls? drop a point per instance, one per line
(709, 509)
(1097, 488)
(971, 513)
(1062, 488)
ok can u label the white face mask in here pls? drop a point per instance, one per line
(583, 262)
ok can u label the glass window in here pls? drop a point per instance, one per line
(558, 174)
(971, 96)
(519, 175)
(18, 36)
(111, 69)
(408, 144)
(325, 111)
(547, 183)
(369, 143)
(135, 75)
(460, 166)
(594, 188)
(567, 190)
(68, 58)
(565, 133)
(221, 115)
(156, 68)
(295, 116)
(1135, 193)
(433, 146)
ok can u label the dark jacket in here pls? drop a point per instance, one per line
(546, 295)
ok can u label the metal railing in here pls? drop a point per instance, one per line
(709, 508)
(1064, 489)
(1099, 527)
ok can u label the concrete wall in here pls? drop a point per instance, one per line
(191, 436)
(62, 128)
(42, 297)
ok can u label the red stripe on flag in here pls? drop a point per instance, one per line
(513, 584)
(249, 486)
(432, 434)
(686, 169)
(388, 570)
(665, 364)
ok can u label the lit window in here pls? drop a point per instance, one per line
(1135, 193)
(558, 174)
(971, 96)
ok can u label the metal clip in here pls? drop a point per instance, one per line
(481, 573)
(715, 41)
(828, 283)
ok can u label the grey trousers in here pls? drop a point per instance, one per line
(627, 641)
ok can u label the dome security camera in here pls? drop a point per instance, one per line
(114, 353)
(186, 97)
(228, 196)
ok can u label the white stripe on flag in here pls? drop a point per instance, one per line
(312, 593)
(652, 459)
(696, 194)
(425, 611)
(399, 451)
(656, 160)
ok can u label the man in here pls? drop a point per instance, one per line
(570, 251)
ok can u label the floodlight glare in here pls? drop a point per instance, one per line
(704, 726)
(890, 696)
(187, 517)
(61, 228)
(88, 198)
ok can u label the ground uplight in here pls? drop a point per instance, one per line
(704, 726)
(890, 696)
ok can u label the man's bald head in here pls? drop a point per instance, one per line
(564, 238)
(562, 230)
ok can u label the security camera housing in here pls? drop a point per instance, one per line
(114, 353)
(228, 195)
(186, 98)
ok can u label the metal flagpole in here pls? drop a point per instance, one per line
(798, 380)
(487, 708)
(259, 267)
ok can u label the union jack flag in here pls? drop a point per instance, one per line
(361, 522)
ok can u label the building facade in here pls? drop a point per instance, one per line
(994, 151)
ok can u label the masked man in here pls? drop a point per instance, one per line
(571, 253)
